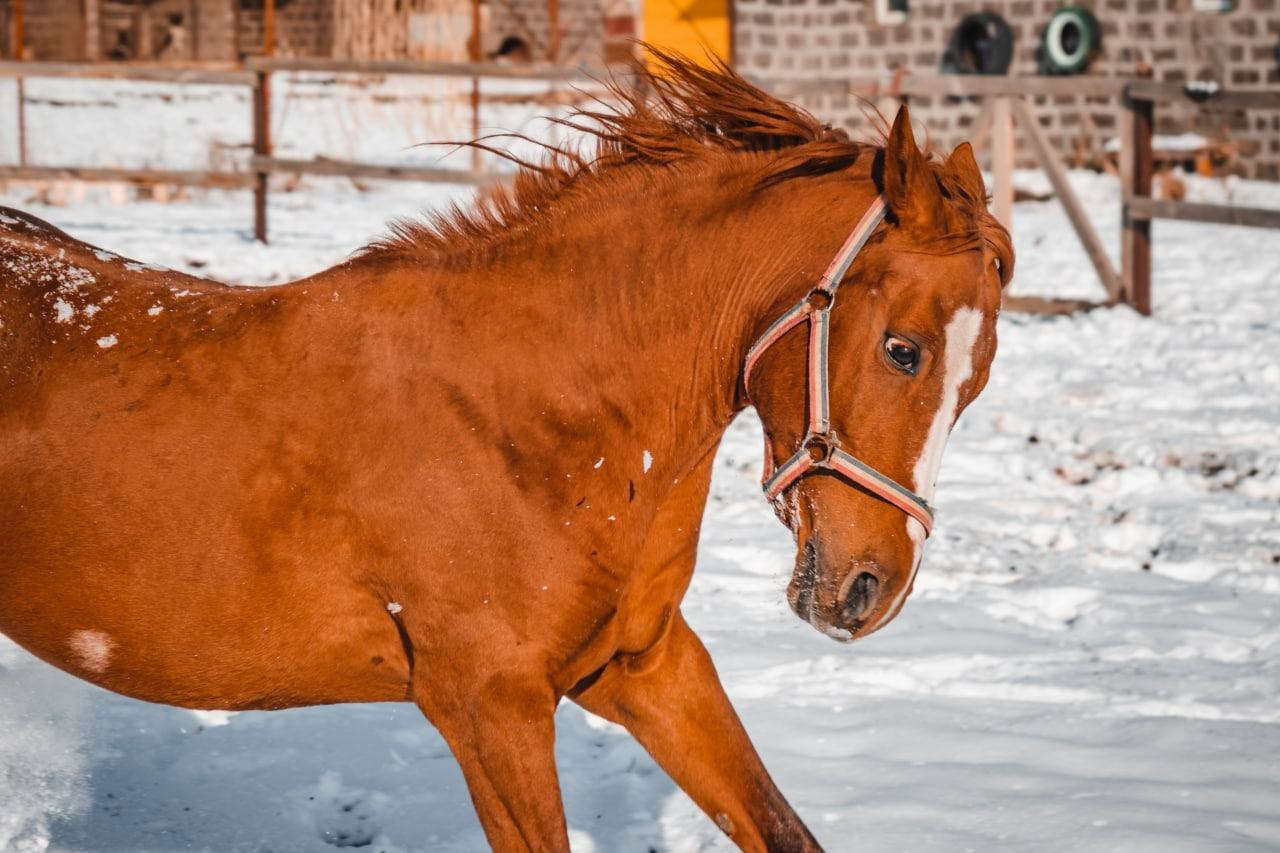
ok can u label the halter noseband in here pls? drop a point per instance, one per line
(821, 446)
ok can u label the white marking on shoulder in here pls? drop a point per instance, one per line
(599, 462)
(94, 649)
(107, 341)
(648, 461)
(394, 607)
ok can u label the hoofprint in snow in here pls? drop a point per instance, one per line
(1090, 660)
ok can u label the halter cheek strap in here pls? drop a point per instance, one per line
(820, 449)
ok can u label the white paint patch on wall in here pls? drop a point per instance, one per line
(93, 648)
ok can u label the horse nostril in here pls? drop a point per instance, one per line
(862, 596)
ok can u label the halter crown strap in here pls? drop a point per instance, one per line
(821, 447)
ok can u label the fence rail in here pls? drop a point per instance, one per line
(1004, 99)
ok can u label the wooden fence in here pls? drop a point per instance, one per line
(1004, 107)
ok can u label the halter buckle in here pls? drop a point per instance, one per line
(819, 299)
(820, 446)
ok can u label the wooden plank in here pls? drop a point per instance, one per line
(1066, 195)
(536, 71)
(1002, 147)
(1045, 305)
(214, 76)
(374, 171)
(261, 149)
(148, 177)
(1135, 233)
(1156, 91)
(980, 134)
(955, 85)
(1220, 214)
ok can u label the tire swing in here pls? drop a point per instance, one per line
(982, 43)
(1070, 41)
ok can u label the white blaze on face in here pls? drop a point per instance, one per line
(93, 648)
(959, 338)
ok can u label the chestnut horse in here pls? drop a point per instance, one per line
(467, 467)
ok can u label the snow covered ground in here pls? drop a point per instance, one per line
(1090, 661)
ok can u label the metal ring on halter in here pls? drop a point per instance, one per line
(815, 309)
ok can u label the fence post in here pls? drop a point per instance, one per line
(261, 149)
(475, 54)
(1137, 165)
(19, 39)
(1002, 144)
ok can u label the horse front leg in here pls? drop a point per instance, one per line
(502, 734)
(670, 699)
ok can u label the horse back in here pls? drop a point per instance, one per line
(65, 302)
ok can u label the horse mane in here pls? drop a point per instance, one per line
(677, 112)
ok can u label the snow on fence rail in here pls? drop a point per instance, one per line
(1004, 104)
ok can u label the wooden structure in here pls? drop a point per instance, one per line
(1006, 108)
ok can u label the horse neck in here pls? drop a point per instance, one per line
(665, 289)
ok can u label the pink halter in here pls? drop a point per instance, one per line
(820, 448)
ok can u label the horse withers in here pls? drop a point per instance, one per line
(467, 467)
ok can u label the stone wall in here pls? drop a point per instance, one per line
(830, 38)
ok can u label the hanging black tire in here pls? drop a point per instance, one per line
(1069, 42)
(982, 43)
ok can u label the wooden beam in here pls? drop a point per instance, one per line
(1066, 195)
(261, 151)
(1158, 92)
(1002, 145)
(145, 177)
(980, 134)
(954, 85)
(211, 75)
(1045, 305)
(92, 30)
(1137, 167)
(20, 54)
(1219, 214)
(553, 31)
(550, 73)
(269, 28)
(374, 171)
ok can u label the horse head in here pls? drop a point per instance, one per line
(857, 413)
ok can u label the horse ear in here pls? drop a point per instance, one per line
(964, 166)
(910, 189)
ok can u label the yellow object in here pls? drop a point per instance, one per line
(697, 28)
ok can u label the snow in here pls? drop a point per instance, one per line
(646, 461)
(1090, 659)
(107, 341)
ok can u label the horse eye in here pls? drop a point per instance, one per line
(902, 353)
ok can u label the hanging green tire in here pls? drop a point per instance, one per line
(1070, 40)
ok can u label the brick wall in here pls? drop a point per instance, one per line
(54, 29)
(581, 28)
(828, 38)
